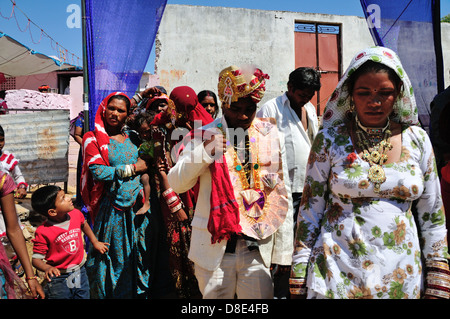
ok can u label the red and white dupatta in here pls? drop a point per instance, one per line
(95, 151)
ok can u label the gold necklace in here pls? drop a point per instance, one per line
(375, 134)
(239, 167)
(249, 192)
(262, 202)
(375, 143)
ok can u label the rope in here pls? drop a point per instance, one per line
(62, 56)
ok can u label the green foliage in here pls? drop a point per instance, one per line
(446, 18)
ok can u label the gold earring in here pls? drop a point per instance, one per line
(352, 105)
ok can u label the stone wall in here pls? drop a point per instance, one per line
(32, 99)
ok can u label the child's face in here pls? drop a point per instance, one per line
(145, 131)
(63, 204)
(2, 142)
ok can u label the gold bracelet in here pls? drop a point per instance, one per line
(298, 291)
(297, 281)
(437, 293)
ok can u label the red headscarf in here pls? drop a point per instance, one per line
(187, 106)
(95, 151)
(445, 188)
(166, 118)
(188, 109)
(224, 214)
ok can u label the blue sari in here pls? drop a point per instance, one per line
(133, 266)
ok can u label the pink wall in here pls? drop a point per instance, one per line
(32, 82)
(76, 93)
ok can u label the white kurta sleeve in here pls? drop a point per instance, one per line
(192, 162)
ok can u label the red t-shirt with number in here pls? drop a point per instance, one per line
(62, 248)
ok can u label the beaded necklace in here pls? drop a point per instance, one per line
(375, 143)
(254, 200)
(260, 194)
(242, 169)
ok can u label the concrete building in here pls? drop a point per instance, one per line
(195, 43)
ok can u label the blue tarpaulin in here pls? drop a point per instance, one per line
(412, 29)
(119, 38)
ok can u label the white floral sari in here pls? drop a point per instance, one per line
(352, 242)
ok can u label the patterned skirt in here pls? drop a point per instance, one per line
(136, 264)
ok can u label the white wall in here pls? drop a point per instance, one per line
(195, 43)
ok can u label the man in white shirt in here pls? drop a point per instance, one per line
(297, 121)
(298, 125)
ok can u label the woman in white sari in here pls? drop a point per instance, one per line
(371, 194)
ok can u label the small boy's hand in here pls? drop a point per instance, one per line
(101, 247)
(52, 272)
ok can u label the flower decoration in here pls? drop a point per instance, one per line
(350, 159)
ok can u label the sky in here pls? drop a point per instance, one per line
(56, 19)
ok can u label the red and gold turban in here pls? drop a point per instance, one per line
(235, 83)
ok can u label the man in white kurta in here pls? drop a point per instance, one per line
(298, 124)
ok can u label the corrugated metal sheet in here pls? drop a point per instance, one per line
(40, 140)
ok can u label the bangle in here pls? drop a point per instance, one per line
(176, 208)
(126, 172)
(172, 200)
(31, 278)
(137, 97)
(438, 279)
(297, 291)
(297, 286)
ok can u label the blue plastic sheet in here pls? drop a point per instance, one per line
(411, 28)
(119, 35)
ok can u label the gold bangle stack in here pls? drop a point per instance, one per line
(297, 286)
(438, 279)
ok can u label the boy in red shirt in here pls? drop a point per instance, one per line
(59, 241)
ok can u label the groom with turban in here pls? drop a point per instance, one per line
(243, 224)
